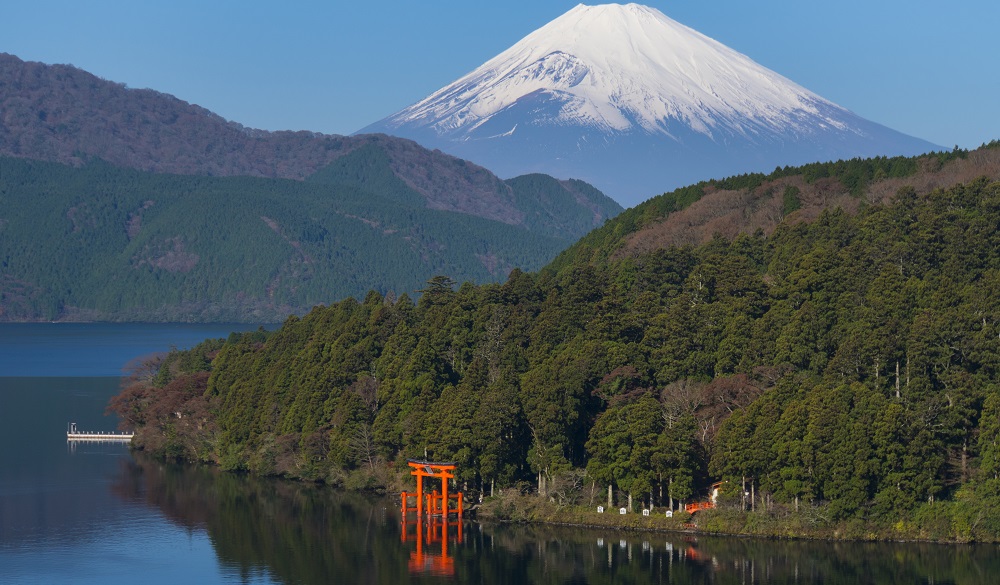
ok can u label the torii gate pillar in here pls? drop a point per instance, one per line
(434, 503)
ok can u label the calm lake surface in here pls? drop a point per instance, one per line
(96, 514)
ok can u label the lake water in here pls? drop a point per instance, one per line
(96, 514)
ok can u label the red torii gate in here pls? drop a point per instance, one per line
(436, 502)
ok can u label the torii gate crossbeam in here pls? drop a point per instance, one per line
(436, 504)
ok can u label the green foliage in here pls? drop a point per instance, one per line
(846, 368)
(790, 200)
(550, 205)
(101, 242)
(367, 168)
(855, 175)
(989, 437)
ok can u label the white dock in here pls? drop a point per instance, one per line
(72, 434)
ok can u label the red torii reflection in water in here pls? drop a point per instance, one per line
(427, 505)
(433, 531)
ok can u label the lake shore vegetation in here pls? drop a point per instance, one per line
(839, 376)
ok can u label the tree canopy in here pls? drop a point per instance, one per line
(850, 362)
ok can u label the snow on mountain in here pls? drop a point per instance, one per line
(635, 103)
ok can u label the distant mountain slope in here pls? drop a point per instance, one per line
(403, 171)
(62, 114)
(694, 215)
(635, 103)
(104, 243)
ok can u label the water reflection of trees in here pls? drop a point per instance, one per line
(304, 533)
(296, 532)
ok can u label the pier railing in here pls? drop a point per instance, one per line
(73, 434)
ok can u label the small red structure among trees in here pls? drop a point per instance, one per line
(713, 498)
(433, 503)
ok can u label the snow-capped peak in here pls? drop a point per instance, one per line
(615, 67)
(636, 104)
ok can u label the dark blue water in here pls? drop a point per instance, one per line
(97, 514)
(94, 349)
(61, 518)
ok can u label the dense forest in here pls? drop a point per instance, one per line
(844, 369)
(105, 243)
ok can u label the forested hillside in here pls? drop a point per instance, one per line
(844, 370)
(104, 243)
(59, 113)
(744, 204)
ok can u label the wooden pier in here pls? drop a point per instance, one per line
(72, 434)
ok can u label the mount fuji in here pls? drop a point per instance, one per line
(635, 103)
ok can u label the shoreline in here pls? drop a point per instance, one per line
(725, 522)
(777, 523)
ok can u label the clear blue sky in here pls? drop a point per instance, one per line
(929, 69)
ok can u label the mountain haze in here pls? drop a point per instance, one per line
(635, 103)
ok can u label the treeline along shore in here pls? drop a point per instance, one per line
(838, 375)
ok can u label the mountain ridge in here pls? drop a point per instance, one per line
(749, 204)
(124, 204)
(63, 114)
